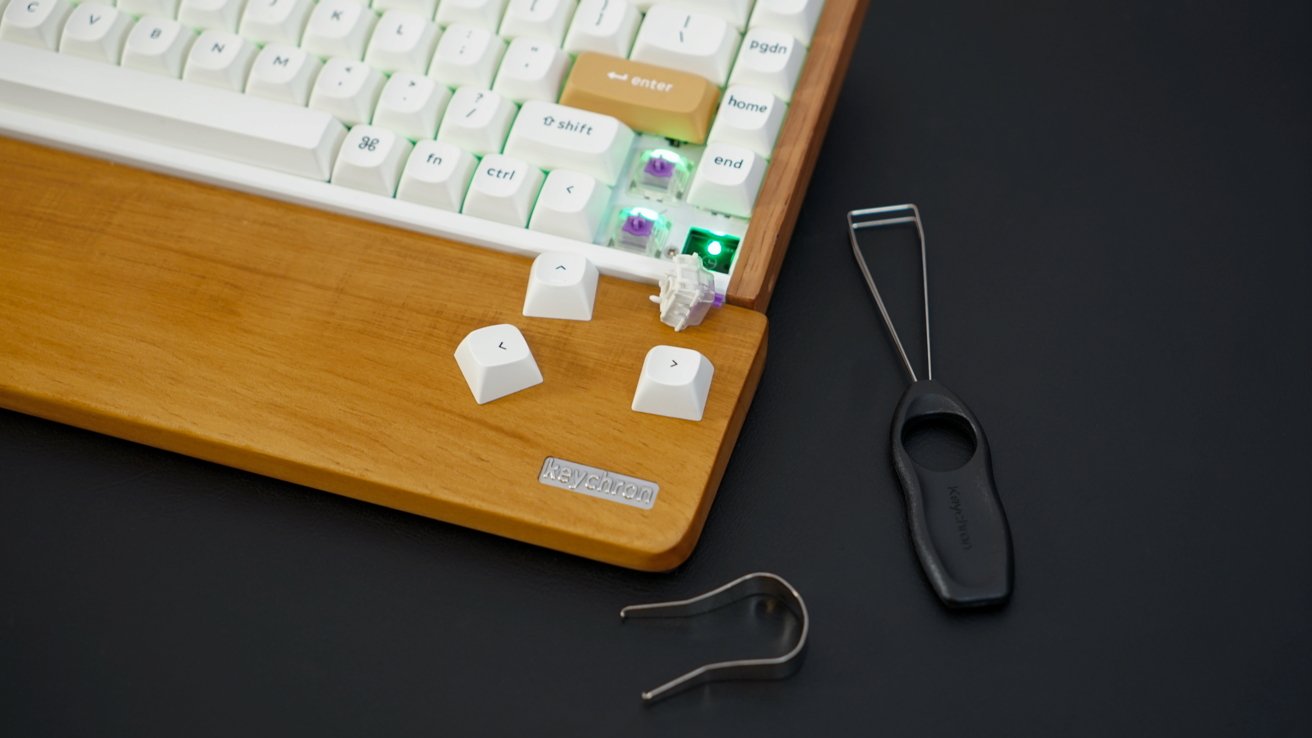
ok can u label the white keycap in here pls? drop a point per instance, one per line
(748, 117)
(571, 205)
(603, 26)
(531, 70)
(34, 22)
(674, 382)
(284, 73)
(477, 120)
(770, 60)
(220, 15)
(96, 31)
(281, 21)
(496, 362)
(370, 160)
(423, 8)
(347, 90)
(466, 55)
(542, 20)
(561, 286)
(558, 137)
(157, 8)
(437, 174)
(411, 105)
(157, 45)
(124, 101)
(687, 40)
(338, 28)
(797, 18)
(220, 59)
(734, 12)
(402, 42)
(485, 14)
(727, 180)
(503, 190)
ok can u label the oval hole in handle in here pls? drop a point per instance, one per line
(941, 442)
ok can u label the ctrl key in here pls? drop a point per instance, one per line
(496, 362)
(674, 382)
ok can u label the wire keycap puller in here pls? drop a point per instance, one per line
(957, 523)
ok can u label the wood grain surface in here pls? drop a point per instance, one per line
(318, 349)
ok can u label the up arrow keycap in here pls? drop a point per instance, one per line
(561, 285)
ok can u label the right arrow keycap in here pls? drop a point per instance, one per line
(674, 382)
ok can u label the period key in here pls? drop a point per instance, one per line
(646, 97)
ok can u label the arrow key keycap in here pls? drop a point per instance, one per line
(571, 205)
(674, 382)
(496, 361)
(562, 286)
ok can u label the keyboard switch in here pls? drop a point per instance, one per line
(496, 361)
(674, 382)
(36, 23)
(561, 286)
(96, 31)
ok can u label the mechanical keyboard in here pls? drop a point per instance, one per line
(437, 143)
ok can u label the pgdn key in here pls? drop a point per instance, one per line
(554, 136)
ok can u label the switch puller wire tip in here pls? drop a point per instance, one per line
(759, 583)
(958, 527)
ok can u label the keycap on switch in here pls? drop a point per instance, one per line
(674, 382)
(496, 362)
(645, 97)
(562, 286)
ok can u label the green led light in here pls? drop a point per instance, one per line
(715, 249)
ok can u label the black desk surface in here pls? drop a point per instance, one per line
(1118, 199)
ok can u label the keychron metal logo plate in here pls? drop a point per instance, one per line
(599, 483)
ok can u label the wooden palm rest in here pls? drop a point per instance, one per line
(318, 349)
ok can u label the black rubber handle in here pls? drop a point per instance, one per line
(957, 522)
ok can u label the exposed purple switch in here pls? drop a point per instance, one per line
(636, 225)
(658, 167)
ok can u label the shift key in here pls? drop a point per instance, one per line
(646, 97)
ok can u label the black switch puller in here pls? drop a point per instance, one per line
(957, 524)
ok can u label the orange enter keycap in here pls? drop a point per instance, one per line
(646, 97)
